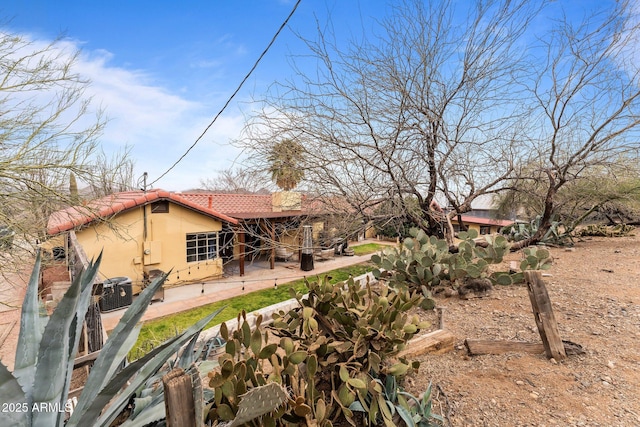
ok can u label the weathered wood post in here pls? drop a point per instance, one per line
(178, 399)
(543, 314)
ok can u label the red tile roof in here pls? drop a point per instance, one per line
(244, 206)
(105, 207)
(232, 203)
(485, 221)
(224, 206)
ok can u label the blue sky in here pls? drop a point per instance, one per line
(162, 69)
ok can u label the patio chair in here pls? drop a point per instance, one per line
(283, 253)
(324, 254)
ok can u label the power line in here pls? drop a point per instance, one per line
(226, 104)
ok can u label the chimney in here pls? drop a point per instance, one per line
(286, 201)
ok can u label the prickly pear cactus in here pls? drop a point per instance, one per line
(533, 258)
(259, 402)
(352, 332)
(426, 262)
(325, 354)
(423, 263)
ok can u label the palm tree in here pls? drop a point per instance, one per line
(285, 160)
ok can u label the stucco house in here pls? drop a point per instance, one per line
(481, 225)
(192, 235)
(142, 232)
(482, 217)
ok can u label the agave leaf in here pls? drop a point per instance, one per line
(142, 403)
(144, 407)
(190, 354)
(32, 323)
(416, 401)
(357, 406)
(151, 414)
(143, 368)
(115, 349)
(11, 393)
(87, 280)
(406, 416)
(58, 348)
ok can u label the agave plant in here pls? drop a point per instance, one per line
(558, 233)
(36, 392)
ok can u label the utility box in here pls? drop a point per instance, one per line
(116, 293)
(152, 252)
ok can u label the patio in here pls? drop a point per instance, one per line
(258, 275)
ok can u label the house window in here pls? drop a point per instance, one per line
(456, 228)
(160, 207)
(485, 229)
(202, 246)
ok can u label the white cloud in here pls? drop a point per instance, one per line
(159, 124)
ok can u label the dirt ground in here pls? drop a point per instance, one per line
(12, 290)
(595, 293)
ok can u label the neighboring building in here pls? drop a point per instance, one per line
(481, 225)
(482, 217)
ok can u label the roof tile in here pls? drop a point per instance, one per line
(113, 204)
(486, 221)
(243, 205)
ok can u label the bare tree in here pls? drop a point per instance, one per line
(422, 116)
(585, 112)
(47, 133)
(237, 181)
(112, 173)
(601, 191)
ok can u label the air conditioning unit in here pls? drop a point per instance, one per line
(117, 292)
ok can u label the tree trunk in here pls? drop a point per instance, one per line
(545, 221)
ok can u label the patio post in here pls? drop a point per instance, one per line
(272, 256)
(241, 247)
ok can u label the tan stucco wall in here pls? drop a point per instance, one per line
(286, 201)
(317, 227)
(123, 246)
(472, 226)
